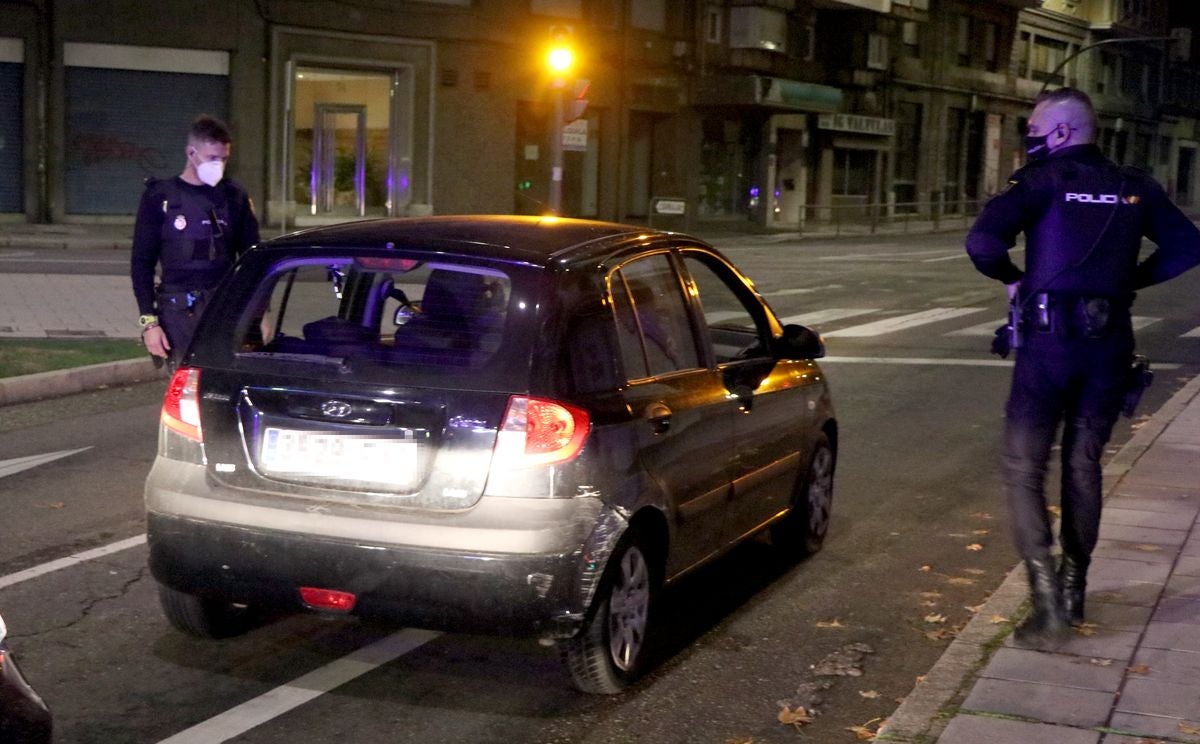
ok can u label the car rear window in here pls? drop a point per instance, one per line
(435, 316)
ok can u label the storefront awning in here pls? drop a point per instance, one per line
(771, 92)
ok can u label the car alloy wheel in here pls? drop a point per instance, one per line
(820, 493)
(629, 609)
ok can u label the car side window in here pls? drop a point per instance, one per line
(653, 328)
(733, 321)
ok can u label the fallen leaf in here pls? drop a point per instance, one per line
(740, 741)
(54, 505)
(1086, 630)
(797, 717)
(980, 532)
(1139, 669)
(1055, 510)
(869, 694)
(1148, 548)
(1188, 728)
(1102, 662)
(998, 619)
(974, 571)
(925, 569)
(975, 547)
(973, 609)
(935, 618)
(931, 595)
(862, 732)
(834, 623)
(941, 634)
(982, 515)
(920, 678)
(960, 581)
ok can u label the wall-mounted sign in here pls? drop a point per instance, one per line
(857, 124)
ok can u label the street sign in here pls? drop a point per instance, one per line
(575, 136)
(670, 206)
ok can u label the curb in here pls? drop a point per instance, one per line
(919, 718)
(25, 388)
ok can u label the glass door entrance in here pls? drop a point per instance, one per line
(344, 147)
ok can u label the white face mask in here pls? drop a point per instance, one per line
(211, 171)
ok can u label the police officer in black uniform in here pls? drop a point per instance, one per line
(1083, 218)
(196, 225)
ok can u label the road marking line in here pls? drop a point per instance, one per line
(904, 322)
(987, 328)
(240, 719)
(1141, 321)
(947, 362)
(827, 315)
(72, 560)
(1194, 333)
(18, 464)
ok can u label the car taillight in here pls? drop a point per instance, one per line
(327, 599)
(536, 431)
(181, 406)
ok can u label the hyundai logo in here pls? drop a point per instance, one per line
(336, 408)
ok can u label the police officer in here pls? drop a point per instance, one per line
(1083, 218)
(196, 225)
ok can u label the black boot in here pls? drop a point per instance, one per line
(1047, 623)
(1072, 577)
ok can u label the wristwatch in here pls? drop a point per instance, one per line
(147, 321)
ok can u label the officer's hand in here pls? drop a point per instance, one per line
(1012, 289)
(156, 341)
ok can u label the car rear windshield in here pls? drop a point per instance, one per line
(370, 312)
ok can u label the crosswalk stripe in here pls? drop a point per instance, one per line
(1194, 333)
(904, 322)
(827, 315)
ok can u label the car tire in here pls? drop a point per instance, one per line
(609, 652)
(203, 618)
(802, 531)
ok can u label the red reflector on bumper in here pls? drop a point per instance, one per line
(327, 599)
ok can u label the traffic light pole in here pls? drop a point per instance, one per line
(556, 149)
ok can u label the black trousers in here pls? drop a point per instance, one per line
(1078, 383)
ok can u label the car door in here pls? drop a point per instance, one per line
(683, 417)
(774, 417)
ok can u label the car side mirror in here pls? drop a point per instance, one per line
(799, 342)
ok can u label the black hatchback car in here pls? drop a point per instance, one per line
(499, 424)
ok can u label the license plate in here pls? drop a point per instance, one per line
(343, 456)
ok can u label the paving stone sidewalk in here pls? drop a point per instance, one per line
(1129, 676)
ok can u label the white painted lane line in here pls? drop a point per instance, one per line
(800, 290)
(1141, 321)
(983, 329)
(237, 721)
(71, 560)
(1194, 333)
(17, 464)
(948, 362)
(904, 322)
(827, 315)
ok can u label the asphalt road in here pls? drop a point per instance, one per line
(919, 537)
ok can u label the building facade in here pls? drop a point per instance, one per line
(769, 114)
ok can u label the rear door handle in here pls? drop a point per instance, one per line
(659, 417)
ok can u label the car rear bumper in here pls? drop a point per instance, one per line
(423, 587)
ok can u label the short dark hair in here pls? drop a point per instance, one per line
(1065, 94)
(209, 129)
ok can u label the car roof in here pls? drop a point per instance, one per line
(536, 240)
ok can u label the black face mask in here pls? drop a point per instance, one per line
(1036, 147)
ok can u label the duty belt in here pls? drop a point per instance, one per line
(1070, 314)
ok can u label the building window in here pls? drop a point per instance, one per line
(963, 41)
(650, 15)
(910, 36)
(802, 41)
(1164, 150)
(908, 155)
(758, 28)
(1023, 54)
(1048, 54)
(1106, 74)
(712, 24)
(877, 52)
(990, 45)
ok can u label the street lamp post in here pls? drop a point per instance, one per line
(560, 60)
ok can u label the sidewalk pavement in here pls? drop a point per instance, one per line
(1128, 676)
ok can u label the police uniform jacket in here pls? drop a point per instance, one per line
(196, 232)
(1084, 218)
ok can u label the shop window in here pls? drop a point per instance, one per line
(725, 155)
